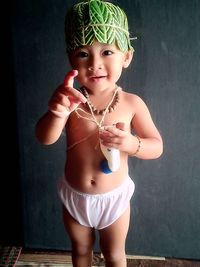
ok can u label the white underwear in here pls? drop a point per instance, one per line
(96, 210)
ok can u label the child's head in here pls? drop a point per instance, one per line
(97, 20)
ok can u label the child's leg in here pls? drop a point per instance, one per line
(113, 239)
(82, 239)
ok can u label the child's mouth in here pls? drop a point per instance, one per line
(97, 78)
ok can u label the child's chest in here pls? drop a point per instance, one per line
(83, 123)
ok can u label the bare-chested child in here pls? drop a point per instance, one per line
(95, 197)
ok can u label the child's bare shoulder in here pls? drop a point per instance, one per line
(136, 104)
(132, 98)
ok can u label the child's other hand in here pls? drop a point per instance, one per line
(66, 98)
(116, 137)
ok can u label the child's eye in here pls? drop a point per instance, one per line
(107, 52)
(82, 54)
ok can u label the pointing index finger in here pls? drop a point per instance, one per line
(69, 82)
(69, 78)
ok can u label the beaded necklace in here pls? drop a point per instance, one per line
(111, 106)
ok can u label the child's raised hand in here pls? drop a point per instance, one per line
(66, 98)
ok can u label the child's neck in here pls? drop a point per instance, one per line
(103, 92)
(113, 101)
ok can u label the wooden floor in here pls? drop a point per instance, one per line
(63, 259)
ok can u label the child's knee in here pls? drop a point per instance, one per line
(114, 255)
(82, 250)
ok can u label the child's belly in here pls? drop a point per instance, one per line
(84, 174)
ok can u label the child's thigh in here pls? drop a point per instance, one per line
(114, 236)
(78, 233)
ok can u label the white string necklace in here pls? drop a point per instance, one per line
(91, 108)
(93, 119)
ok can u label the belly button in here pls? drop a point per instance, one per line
(93, 182)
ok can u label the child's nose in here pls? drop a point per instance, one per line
(95, 64)
(92, 68)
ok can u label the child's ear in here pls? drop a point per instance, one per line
(128, 58)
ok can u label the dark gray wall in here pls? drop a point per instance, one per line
(165, 73)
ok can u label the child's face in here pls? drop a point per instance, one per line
(99, 65)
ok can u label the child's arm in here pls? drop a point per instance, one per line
(151, 146)
(64, 100)
(148, 142)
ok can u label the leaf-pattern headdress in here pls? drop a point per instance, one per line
(97, 20)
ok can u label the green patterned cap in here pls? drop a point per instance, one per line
(97, 20)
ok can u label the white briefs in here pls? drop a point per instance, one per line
(96, 210)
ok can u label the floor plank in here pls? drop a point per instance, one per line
(63, 259)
